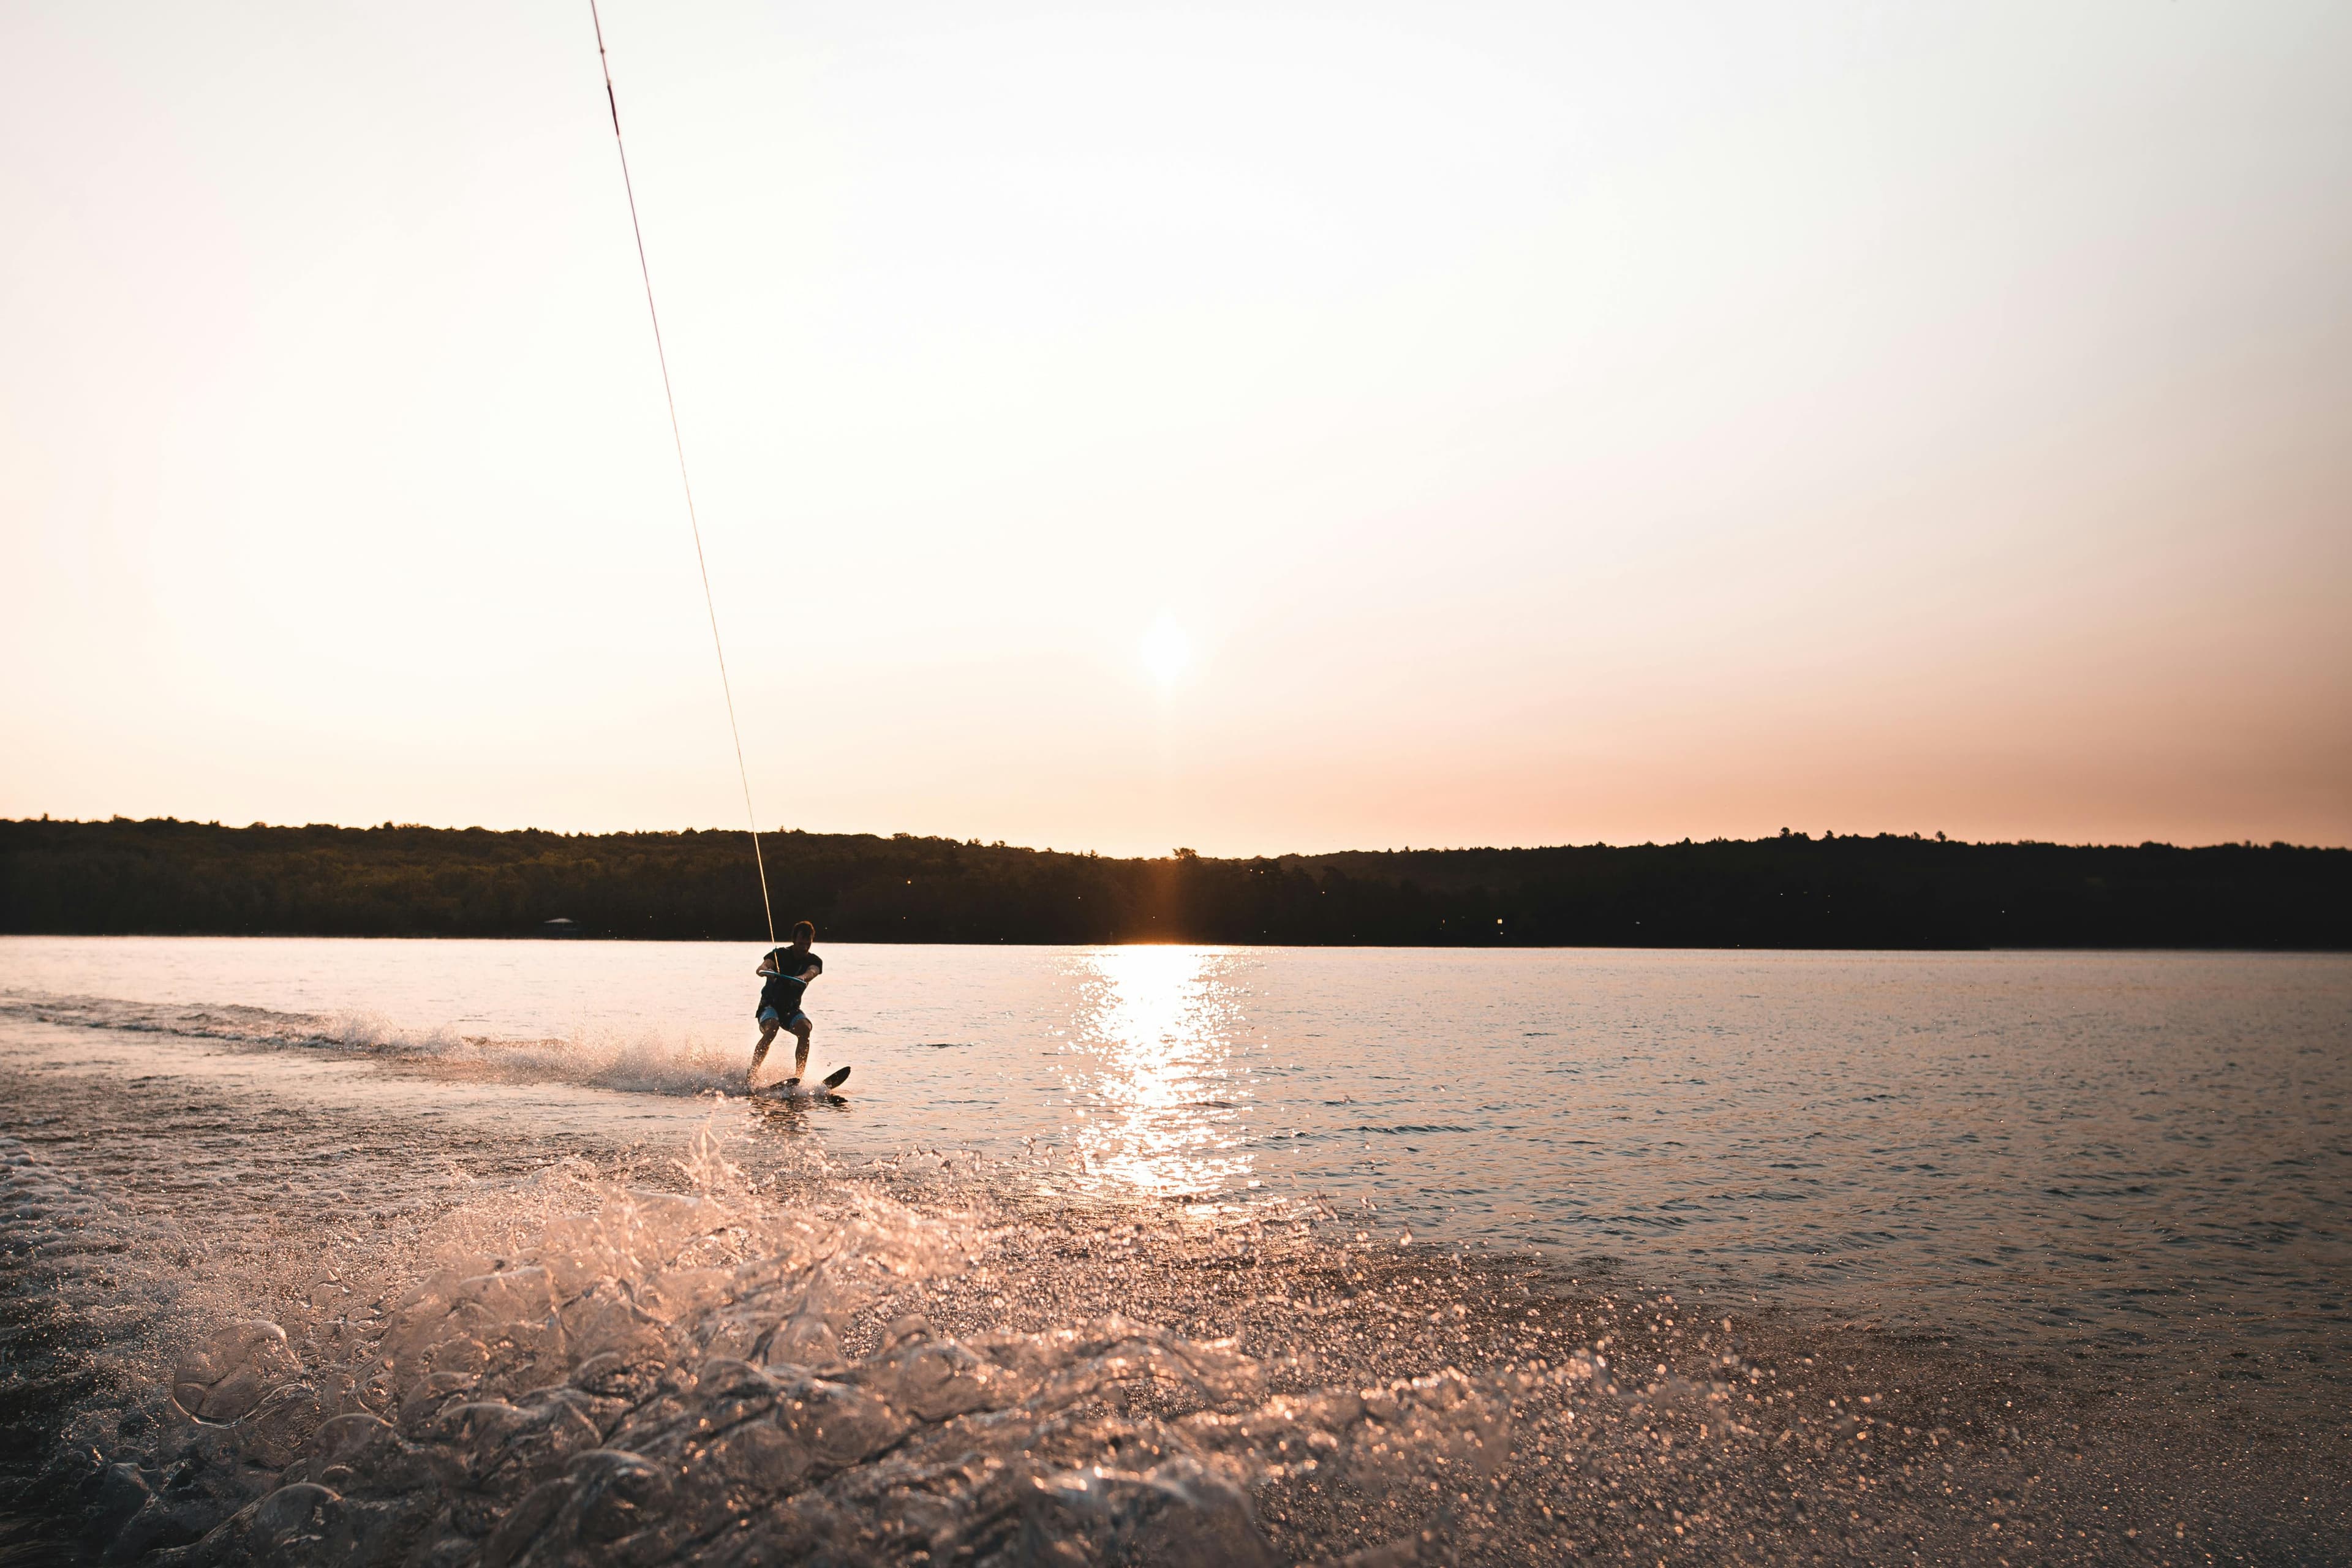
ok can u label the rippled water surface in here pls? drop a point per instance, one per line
(2135, 1165)
(2087, 1139)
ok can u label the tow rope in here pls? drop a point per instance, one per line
(686, 482)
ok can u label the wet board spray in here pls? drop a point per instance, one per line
(794, 1091)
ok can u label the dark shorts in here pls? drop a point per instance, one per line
(768, 1017)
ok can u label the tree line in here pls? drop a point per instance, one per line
(167, 876)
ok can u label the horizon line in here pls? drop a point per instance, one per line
(1179, 852)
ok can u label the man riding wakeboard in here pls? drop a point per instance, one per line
(786, 973)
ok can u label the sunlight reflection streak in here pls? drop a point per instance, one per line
(1162, 1086)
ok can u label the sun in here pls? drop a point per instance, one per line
(1167, 652)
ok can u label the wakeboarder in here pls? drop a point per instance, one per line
(786, 973)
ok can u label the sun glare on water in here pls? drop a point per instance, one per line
(1167, 653)
(1161, 1075)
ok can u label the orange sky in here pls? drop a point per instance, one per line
(1283, 426)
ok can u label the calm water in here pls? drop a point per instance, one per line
(2125, 1144)
(2124, 1175)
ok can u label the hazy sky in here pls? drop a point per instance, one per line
(1264, 428)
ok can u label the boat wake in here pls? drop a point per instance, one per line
(565, 1370)
(639, 1063)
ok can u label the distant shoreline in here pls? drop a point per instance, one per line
(163, 877)
(759, 938)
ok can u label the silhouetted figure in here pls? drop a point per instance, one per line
(788, 971)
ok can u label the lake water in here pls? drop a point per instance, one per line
(2135, 1166)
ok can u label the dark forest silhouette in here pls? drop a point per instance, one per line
(167, 877)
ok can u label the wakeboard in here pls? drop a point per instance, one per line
(827, 1088)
